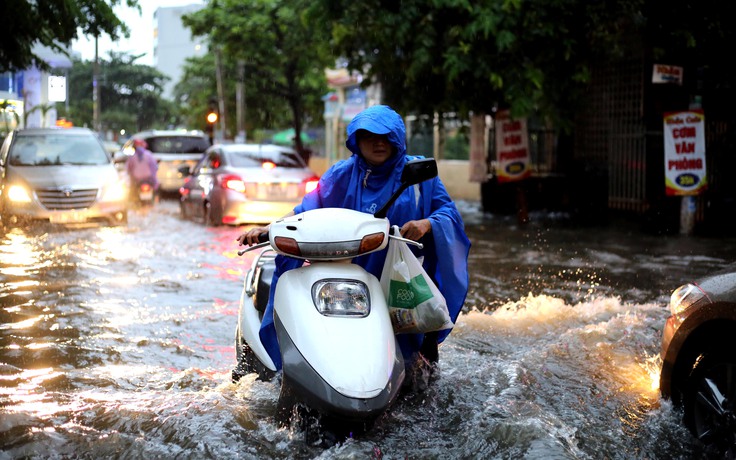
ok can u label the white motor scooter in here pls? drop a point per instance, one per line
(339, 353)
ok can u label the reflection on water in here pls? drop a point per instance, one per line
(118, 342)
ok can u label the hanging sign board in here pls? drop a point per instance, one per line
(57, 88)
(684, 152)
(667, 74)
(512, 148)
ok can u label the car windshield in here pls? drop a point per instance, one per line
(283, 159)
(177, 144)
(57, 149)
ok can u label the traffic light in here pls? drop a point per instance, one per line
(211, 117)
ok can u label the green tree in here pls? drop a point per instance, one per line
(198, 87)
(454, 55)
(43, 108)
(130, 95)
(280, 48)
(526, 55)
(53, 24)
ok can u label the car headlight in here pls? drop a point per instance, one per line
(687, 297)
(19, 194)
(115, 191)
(336, 297)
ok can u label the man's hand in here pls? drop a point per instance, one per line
(250, 237)
(415, 229)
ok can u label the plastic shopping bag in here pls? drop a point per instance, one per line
(415, 304)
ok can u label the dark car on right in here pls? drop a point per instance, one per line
(699, 359)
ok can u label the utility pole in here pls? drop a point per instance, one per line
(240, 101)
(96, 90)
(220, 94)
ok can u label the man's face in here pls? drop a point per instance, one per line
(375, 148)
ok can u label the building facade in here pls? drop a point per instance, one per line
(173, 43)
(28, 97)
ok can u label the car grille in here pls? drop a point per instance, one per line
(57, 200)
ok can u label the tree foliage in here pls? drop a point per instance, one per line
(130, 95)
(455, 55)
(282, 51)
(53, 24)
(198, 87)
(526, 55)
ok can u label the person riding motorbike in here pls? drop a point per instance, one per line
(142, 168)
(424, 213)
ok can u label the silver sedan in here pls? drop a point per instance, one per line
(238, 184)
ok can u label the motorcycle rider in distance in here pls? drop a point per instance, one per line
(142, 167)
(425, 213)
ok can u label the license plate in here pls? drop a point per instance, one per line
(67, 217)
(145, 195)
(280, 191)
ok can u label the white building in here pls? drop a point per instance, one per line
(173, 43)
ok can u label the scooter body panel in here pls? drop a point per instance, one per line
(356, 356)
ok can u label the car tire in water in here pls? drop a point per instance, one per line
(710, 403)
(210, 219)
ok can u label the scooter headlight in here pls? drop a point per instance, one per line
(337, 297)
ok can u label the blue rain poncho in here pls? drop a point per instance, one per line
(355, 184)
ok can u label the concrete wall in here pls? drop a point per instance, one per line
(453, 173)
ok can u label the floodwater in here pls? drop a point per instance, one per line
(118, 343)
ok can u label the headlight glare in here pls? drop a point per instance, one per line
(337, 297)
(19, 194)
(116, 191)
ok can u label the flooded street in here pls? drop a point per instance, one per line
(118, 343)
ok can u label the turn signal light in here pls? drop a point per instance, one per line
(287, 245)
(371, 242)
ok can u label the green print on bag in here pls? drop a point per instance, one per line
(408, 295)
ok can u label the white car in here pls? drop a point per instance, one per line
(60, 175)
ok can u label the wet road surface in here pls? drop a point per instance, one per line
(118, 343)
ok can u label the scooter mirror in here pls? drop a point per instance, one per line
(414, 172)
(417, 171)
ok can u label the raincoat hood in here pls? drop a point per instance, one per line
(379, 119)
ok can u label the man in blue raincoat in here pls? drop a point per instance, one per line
(425, 213)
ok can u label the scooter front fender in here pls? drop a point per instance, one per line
(356, 356)
(250, 323)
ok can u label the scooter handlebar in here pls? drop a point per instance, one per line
(262, 242)
(394, 234)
